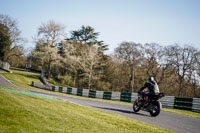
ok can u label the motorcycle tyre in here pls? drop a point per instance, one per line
(135, 104)
(157, 112)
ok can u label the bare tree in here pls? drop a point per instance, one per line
(183, 60)
(120, 75)
(153, 59)
(51, 32)
(197, 58)
(130, 53)
(195, 77)
(155, 62)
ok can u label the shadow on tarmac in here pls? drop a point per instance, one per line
(120, 110)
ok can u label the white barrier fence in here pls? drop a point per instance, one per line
(4, 65)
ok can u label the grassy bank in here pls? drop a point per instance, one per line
(23, 113)
(22, 70)
(21, 79)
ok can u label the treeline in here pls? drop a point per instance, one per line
(79, 60)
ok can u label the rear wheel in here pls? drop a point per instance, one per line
(136, 107)
(154, 109)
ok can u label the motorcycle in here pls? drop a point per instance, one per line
(148, 103)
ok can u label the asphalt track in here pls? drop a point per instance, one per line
(177, 123)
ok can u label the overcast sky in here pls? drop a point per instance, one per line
(142, 21)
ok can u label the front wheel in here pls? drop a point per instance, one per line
(136, 107)
(154, 108)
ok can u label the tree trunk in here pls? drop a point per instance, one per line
(132, 78)
(75, 79)
(180, 89)
(77, 75)
(90, 77)
(49, 70)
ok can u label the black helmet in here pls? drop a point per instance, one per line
(150, 79)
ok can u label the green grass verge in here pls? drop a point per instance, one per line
(53, 82)
(11, 88)
(183, 112)
(24, 81)
(21, 79)
(14, 69)
(23, 113)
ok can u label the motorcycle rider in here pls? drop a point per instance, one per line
(152, 87)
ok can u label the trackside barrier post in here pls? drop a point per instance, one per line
(79, 92)
(168, 101)
(85, 92)
(69, 90)
(53, 88)
(133, 97)
(60, 89)
(99, 94)
(115, 96)
(74, 91)
(107, 95)
(183, 103)
(92, 94)
(64, 90)
(196, 105)
(32, 83)
(125, 97)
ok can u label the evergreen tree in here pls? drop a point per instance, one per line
(5, 42)
(87, 35)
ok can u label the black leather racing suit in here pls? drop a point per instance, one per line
(151, 87)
